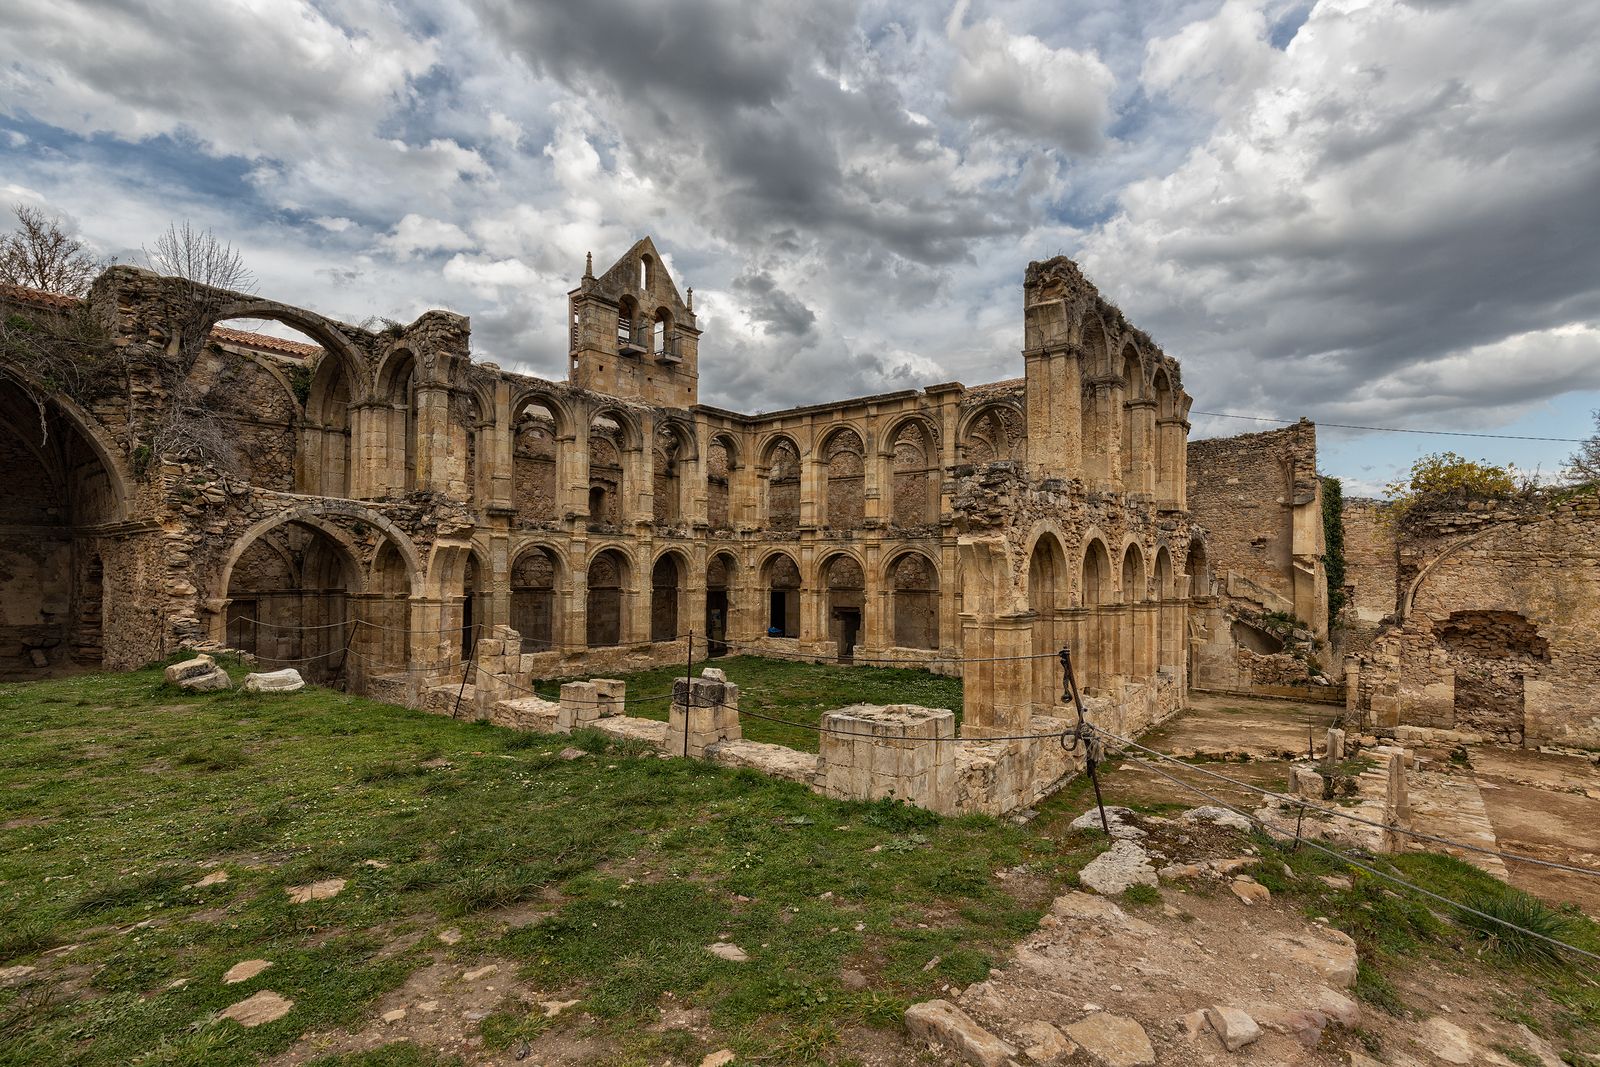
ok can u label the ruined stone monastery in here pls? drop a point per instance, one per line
(388, 501)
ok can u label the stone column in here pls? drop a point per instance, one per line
(1172, 435)
(1141, 461)
(1055, 412)
(705, 709)
(431, 447)
(497, 446)
(998, 696)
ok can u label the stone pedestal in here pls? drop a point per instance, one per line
(704, 709)
(901, 751)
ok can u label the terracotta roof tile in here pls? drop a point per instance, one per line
(22, 294)
(264, 342)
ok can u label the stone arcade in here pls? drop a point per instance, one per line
(393, 500)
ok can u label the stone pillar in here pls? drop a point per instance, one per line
(1140, 462)
(582, 703)
(705, 709)
(1335, 749)
(1055, 412)
(572, 475)
(497, 446)
(1172, 435)
(495, 666)
(1396, 805)
(998, 695)
(431, 448)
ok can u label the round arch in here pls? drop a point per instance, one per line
(325, 332)
(913, 582)
(106, 450)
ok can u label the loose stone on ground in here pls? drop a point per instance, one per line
(263, 1006)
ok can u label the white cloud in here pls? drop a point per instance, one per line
(418, 233)
(1019, 84)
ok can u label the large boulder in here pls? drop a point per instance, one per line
(287, 680)
(1122, 865)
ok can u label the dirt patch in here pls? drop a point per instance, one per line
(440, 1008)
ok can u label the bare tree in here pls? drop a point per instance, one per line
(199, 256)
(1583, 466)
(214, 270)
(41, 255)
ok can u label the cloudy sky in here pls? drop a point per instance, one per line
(1364, 211)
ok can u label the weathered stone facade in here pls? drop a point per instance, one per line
(1258, 500)
(1493, 620)
(391, 499)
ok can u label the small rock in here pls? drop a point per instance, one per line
(724, 950)
(715, 674)
(377, 865)
(1194, 1024)
(1233, 1026)
(451, 936)
(16, 975)
(429, 1006)
(1043, 1043)
(1448, 1041)
(722, 1057)
(942, 1023)
(323, 890)
(1251, 893)
(1335, 881)
(1303, 1025)
(263, 1006)
(1118, 818)
(394, 1016)
(552, 1008)
(190, 668)
(243, 972)
(572, 753)
(216, 877)
(1180, 872)
(479, 972)
(1338, 1007)
(1124, 864)
(1113, 1041)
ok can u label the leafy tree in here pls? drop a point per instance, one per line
(39, 254)
(1583, 466)
(1442, 476)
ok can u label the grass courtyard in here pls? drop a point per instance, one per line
(599, 880)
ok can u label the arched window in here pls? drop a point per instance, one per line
(847, 491)
(661, 333)
(1047, 595)
(914, 489)
(605, 471)
(627, 320)
(995, 434)
(533, 465)
(667, 458)
(783, 486)
(719, 471)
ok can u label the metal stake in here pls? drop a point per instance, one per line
(455, 713)
(1083, 732)
(688, 692)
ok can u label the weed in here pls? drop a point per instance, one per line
(1141, 895)
(1515, 925)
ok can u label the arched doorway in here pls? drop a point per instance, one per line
(847, 602)
(1131, 630)
(914, 485)
(845, 457)
(288, 600)
(534, 604)
(397, 397)
(606, 482)
(54, 490)
(666, 587)
(783, 485)
(719, 603)
(719, 474)
(534, 433)
(671, 452)
(608, 579)
(1047, 595)
(783, 596)
(1099, 661)
(914, 601)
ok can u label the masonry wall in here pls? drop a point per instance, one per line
(1371, 566)
(1499, 624)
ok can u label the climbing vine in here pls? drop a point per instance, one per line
(1333, 545)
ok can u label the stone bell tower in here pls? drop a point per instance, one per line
(631, 335)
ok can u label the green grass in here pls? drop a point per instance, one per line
(119, 793)
(797, 692)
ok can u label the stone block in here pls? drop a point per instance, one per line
(287, 680)
(939, 1022)
(580, 705)
(190, 668)
(216, 679)
(1305, 782)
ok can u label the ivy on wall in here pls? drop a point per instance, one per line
(1333, 542)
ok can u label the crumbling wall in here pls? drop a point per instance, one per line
(1371, 565)
(1499, 632)
(1258, 497)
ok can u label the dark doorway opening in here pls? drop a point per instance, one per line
(716, 622)
(848, 621)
